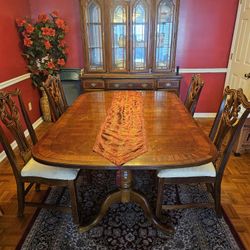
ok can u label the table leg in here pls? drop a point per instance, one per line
(125, 195)
(1, 212)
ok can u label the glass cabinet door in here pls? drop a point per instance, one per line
(94, 37)
(139, 36)
(119, 37)
(164, 35)
(123, 36)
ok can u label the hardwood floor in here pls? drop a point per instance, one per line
(235, 198)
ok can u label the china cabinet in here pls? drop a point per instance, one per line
(129, 44)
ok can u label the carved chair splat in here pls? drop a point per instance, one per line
(193, 93)
(24, 167)
(57, 100)
(232, 113)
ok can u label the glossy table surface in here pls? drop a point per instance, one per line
(173, 136)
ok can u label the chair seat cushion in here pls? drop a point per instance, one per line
(36, 169)
(207, 170)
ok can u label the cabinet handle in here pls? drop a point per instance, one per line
(247, 76)
(93, 84)
(144, 85)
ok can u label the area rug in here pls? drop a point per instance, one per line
(125, 226)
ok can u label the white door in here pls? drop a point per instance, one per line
(239, 62)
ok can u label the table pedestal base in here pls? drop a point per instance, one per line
(125, 195)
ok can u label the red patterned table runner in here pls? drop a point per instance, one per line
(122, 135)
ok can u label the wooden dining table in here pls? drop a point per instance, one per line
(173, 137)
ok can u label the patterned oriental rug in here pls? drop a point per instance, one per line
(125, 226)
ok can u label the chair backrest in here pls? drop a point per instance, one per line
(11, 120)
(57, 100)
(193, 93)
(230, 118)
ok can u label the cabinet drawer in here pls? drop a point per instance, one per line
(130, 84)
(93, 84)
(168, 84)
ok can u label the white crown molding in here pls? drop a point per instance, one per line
(204, 115)
(14, 80)
(205, 70)
(14, 144)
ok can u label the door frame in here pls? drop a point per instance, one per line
(232, 50)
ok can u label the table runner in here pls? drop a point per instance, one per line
(122, 135)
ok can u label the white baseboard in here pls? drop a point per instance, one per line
(204, 115)
(14, 144)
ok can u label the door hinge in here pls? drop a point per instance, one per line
(231, 56)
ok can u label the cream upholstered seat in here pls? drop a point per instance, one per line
(36, 169)
(202, 170)
(26, 169)
(233, 111)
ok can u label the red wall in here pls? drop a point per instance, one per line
(205, 32)
(12, 63)
(70, 12)
(204, 39)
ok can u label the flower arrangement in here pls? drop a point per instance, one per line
(43, 45)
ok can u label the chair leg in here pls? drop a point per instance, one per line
(178, 200)
(86, 176)
(37, 187)
(217, 199)
(1, 212)
(159, 197)
(20, 198)
(74, 201)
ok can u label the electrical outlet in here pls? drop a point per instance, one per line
(30, 106)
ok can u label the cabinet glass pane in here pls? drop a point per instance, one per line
(164, 29)
(95, 47)
(119, 42)
(139, 35)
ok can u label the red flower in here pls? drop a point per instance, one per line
(20, 22)
(61, 62)
(55, 13)
(48, 31)
(62, 43)
(47, 44)
(60, 23)
(43, 18)
(29, 28)
(50, 65)
(27, 41)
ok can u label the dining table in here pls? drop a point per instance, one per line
(172, 138)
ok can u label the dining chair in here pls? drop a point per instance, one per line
(57, 100)
(232, 113)
(193, 94)
(24, 167)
